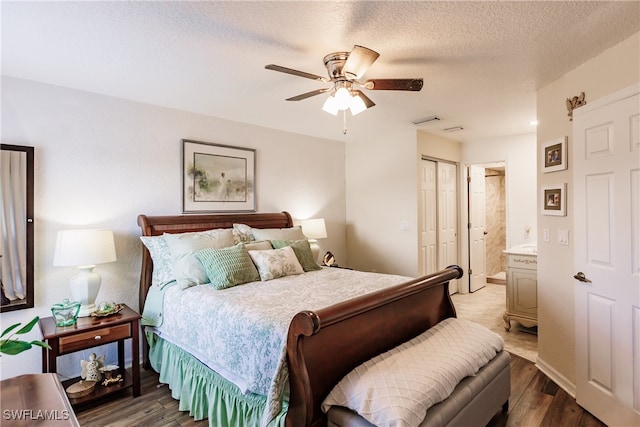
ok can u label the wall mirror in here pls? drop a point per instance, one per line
(16, 227)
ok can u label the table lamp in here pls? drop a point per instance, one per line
(314, 229)
(84, 249)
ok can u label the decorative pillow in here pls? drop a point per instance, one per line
(276, 263)
(243, 233)
(228, 267)
(303, 252)
(187, 269)
(161, 257)
(262, 245)
(292, 233)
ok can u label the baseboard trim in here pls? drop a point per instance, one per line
(555, 376)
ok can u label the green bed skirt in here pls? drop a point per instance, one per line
(203, 392)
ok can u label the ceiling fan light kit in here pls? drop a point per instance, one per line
(345, 69)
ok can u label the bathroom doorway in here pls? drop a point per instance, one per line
(495, 199)
(487, 224)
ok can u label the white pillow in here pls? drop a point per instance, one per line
(276, 263)
(262, 245)
(162, 261)
(292, 233)
(243, 233)
(187, 269)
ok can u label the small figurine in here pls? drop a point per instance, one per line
(573, 103)
(91, 368)
(329, 260)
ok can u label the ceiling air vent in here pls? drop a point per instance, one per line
(426, 120)
(454, 129)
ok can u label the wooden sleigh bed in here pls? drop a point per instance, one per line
(324, 345)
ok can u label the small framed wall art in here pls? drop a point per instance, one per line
(554, 199)
(554, 155)
(217, 178)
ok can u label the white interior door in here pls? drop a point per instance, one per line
(428, 218)
(606, 162)
(477, 228)
(447, 219)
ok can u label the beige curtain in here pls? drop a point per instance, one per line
(13, 226)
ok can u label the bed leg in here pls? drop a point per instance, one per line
(505, 406)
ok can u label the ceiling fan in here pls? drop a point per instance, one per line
(345, 70)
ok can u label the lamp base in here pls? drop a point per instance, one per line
(84, 288)
(86, 310)
(315, 249)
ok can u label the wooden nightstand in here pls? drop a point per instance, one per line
(90, 332)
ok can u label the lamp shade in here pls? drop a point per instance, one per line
(84, 247)
(357, 105)
(330, 105)
(314, 228)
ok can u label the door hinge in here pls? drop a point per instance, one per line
(469, 226)
(470, 272)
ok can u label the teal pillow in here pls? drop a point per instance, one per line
(228, 267)
(302, 249)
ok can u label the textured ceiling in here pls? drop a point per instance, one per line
(481, 61)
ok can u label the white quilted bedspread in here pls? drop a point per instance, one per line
(396, 388)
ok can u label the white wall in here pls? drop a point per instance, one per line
(382, 192)
(101, 161)
(519, 155)
(612, 70)
(381, 196)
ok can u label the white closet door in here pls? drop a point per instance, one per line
(448, 219)
(477, 228)
(428, 218)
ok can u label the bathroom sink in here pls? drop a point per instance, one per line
(523, 250)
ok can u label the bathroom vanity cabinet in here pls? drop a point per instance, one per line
(522, 286)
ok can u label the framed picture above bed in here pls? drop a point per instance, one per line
(217, 178)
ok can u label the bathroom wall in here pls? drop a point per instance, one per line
(495, 221)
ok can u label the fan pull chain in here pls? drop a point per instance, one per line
(344, 122)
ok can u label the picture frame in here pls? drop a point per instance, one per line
(554, 155)
(554, 199)
(217, 178)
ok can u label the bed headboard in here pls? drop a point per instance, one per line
(158, 225)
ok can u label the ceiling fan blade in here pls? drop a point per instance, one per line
(359, 61)
(308, 94)
(367, 101)
(394, 84)
(294, 72)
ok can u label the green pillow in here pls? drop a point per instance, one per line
(228, 267)
(302, 249)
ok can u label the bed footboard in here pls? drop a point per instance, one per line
(323, 346)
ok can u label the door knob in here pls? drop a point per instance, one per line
(581, 277)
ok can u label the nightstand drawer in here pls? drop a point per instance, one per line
(94, 338)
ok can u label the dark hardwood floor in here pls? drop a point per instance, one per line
(535, 401)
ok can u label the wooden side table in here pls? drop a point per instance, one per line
(35, 399)
(90, 332)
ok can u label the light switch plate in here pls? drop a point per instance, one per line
(545, 234)
(563, 237)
